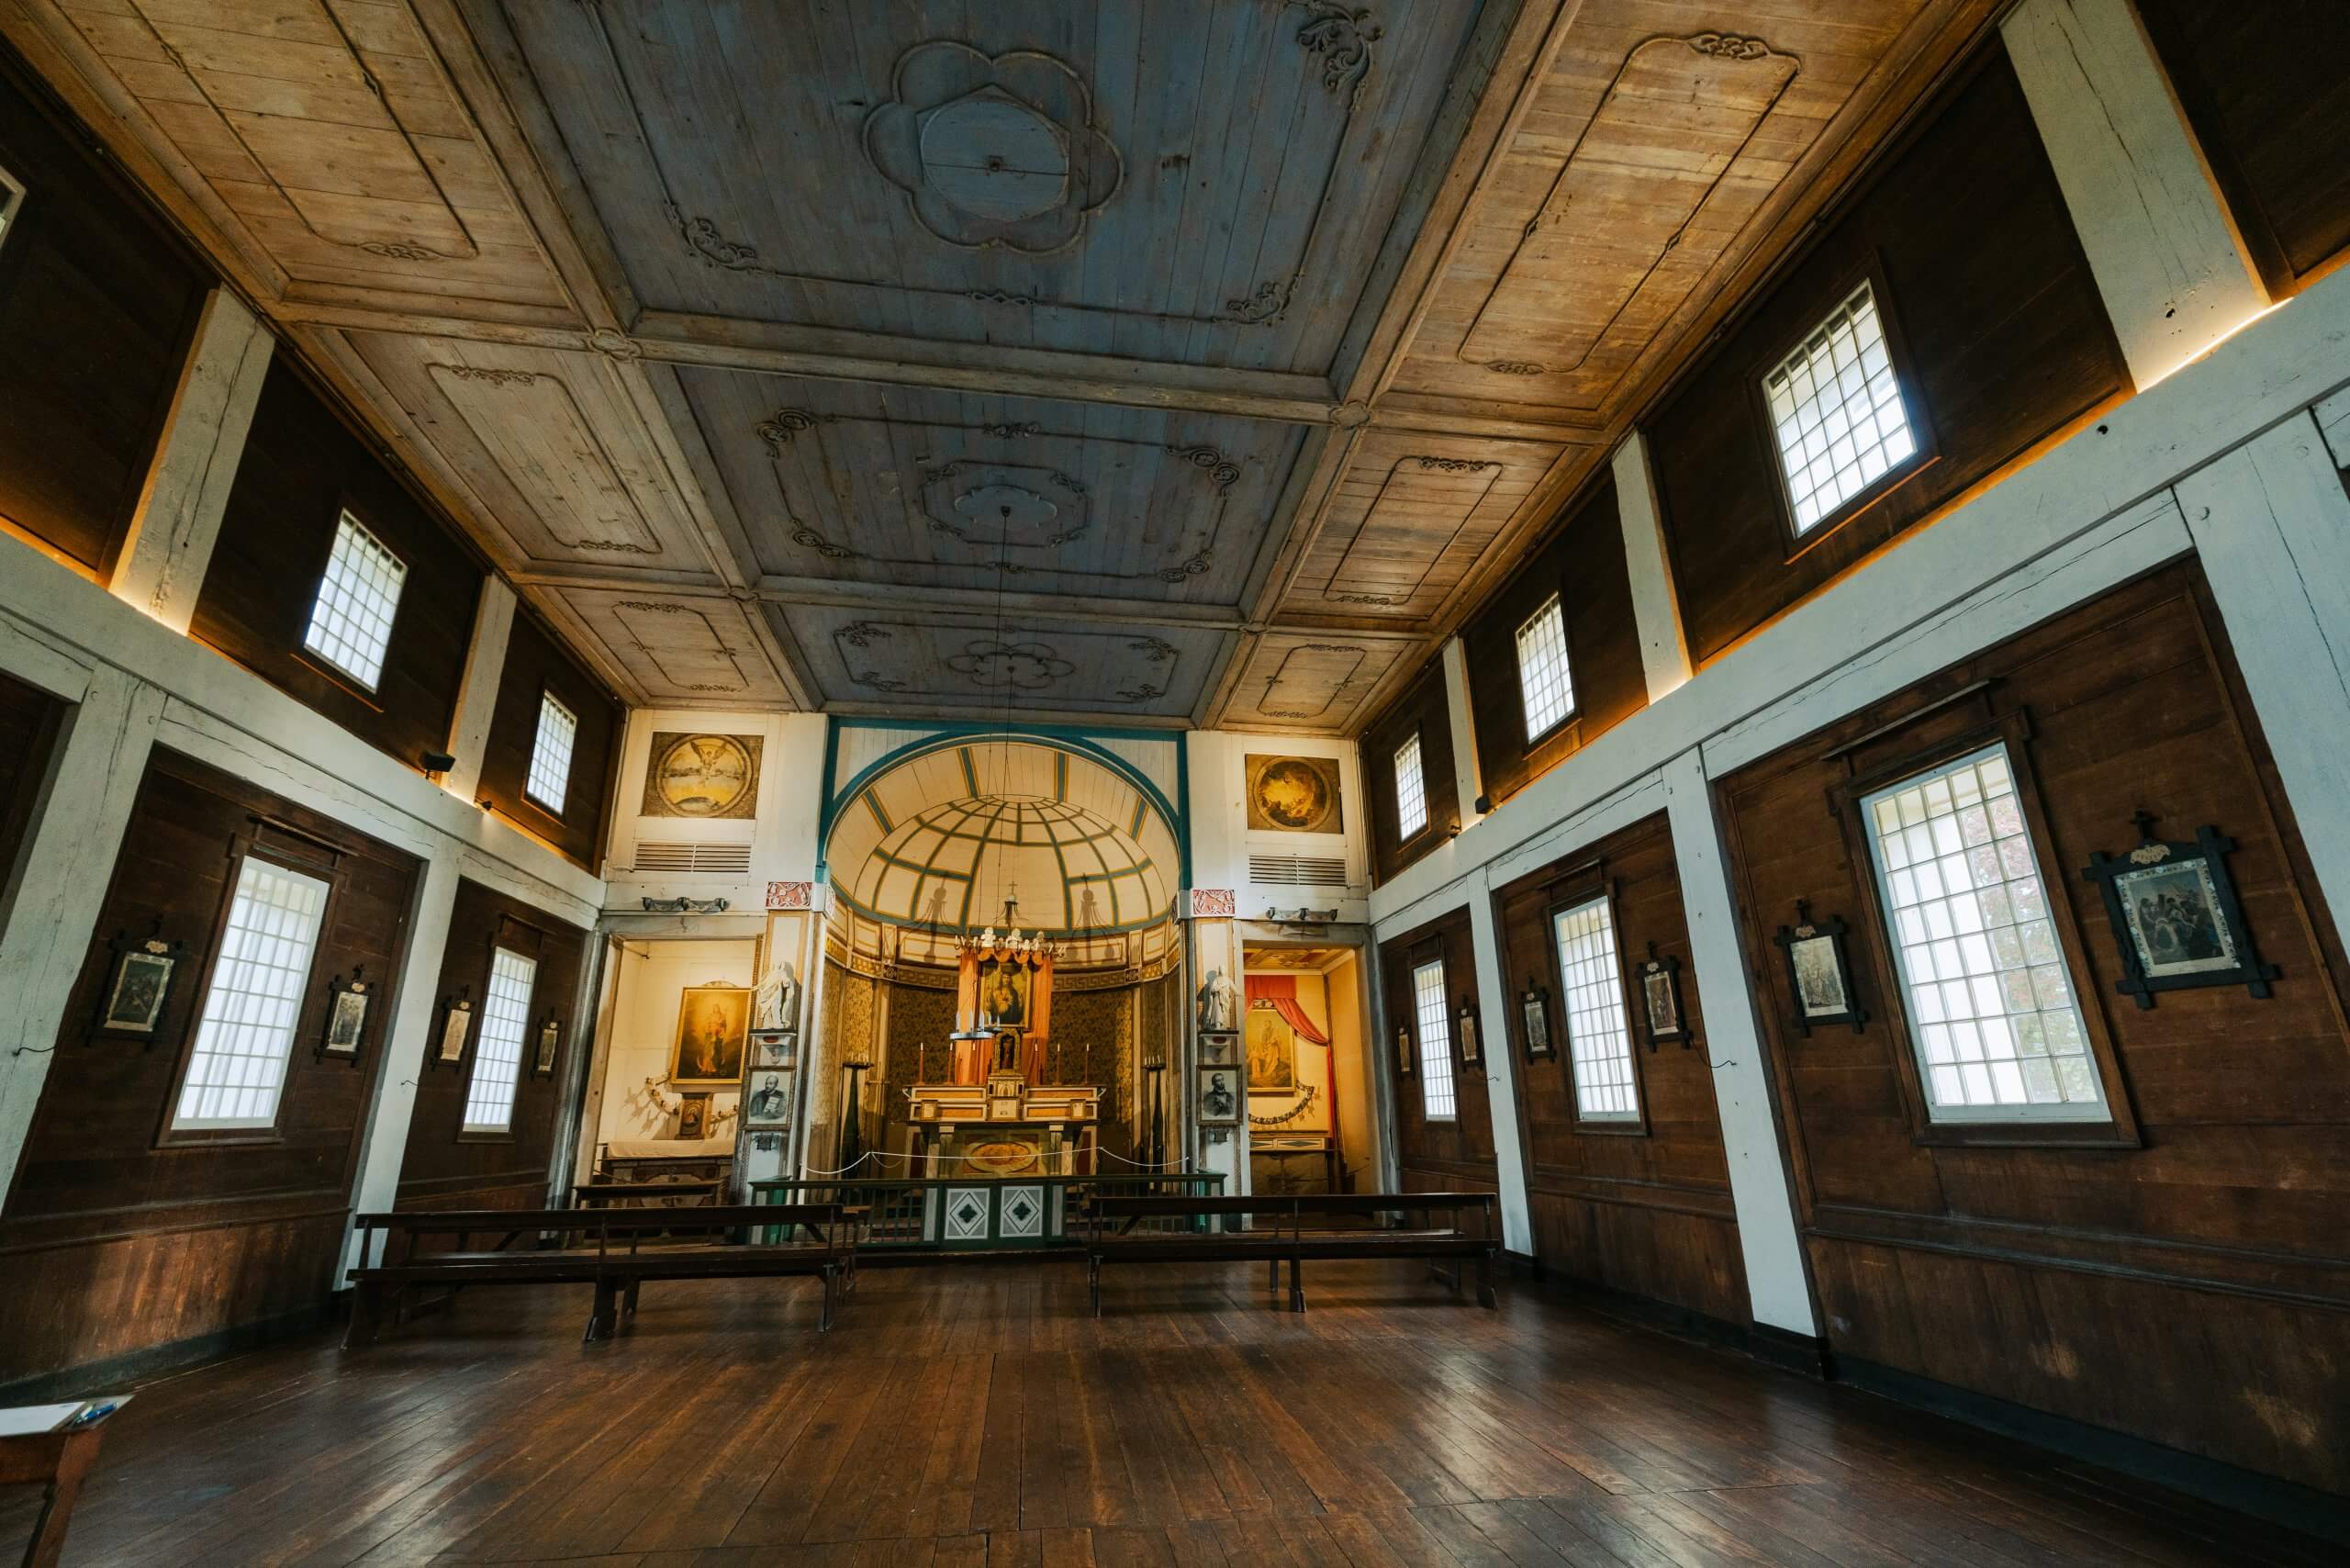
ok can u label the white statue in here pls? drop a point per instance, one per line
(1218, 1003)
(776, 1003)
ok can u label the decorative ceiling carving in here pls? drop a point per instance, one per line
(1197, 362)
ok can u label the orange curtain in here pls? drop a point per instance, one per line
(1281, 992)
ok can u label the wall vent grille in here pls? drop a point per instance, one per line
(1297, 870)
(705, 860)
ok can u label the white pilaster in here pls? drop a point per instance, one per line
(2272, 524)
(477, 695)
(2167, 258)
(1501, 1073)
(405, 1042)
(1776, 1285)
(1468, 778)
(162, 565)
(45, 930)
(1656, 602)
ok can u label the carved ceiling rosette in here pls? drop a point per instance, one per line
(993, 150)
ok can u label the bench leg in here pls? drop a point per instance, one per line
(628, 1302)
(1296, 1283)
(1486, 1297)
(824, 1312)
(600, 1319)
(366, 1309)
(1094, 1277)
(1273, 1281)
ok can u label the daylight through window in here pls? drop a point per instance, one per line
(1599, 1032)
(1436, 1041)
(351, 624)
(550, 777)
(1836, 409)
(1411, 789)
(246, 1031)
(497, 1059)
(1542, 679)
(1992, 1014)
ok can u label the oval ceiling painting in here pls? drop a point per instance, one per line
(1294, 795)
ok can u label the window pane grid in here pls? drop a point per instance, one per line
(237, 1070)
(497, 1058)
(1997, 1026)
(1436, 1042)
(550, 776)
(1836, 409)
(351, 624)
(1599, 1031)
(1411, 789)
(1542, 669)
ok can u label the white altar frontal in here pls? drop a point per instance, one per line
(1003, 1127)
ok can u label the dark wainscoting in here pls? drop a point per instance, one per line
(2264, 87)
(2193, 1291)
(2010, 344)
(445, 1167)
(302, 467)
(98, 303)
(1583, 564)
(121, 1242)
(29, 719)
(1419, 710)
(1435, 1157)
(1644, 1210)
(535, 663)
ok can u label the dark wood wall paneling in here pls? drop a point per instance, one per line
(2194, 1291)
(2005, 333)
(2263, 88)
(302, 468)
(536, 662)
(98, 303)
(118, 1240)
(1583, 564)
(29, 729)
(1644, 1209)
(1420, 709)
(1435, 1157)
(445, 1166)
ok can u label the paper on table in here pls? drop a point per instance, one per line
(23, 1421)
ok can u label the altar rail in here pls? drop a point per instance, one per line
(946, 1215)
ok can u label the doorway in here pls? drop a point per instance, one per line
(1312, 1122)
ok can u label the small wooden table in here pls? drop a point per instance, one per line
(58, 1461)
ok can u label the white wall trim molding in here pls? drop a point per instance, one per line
(2168, 259)
(1656, 602)
(477, 692)
(1501, 1076)
(160, 569)
(1468, 773)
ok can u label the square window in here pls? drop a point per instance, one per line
(550, 777)
(1411, 789)
(497, 1059)
(1986, 992)
(245, 1033)
(1836, 411)
(1599, 1031)
(1436, 1041)
(351, 623)
(1542, 677)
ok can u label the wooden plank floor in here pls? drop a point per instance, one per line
(979, 1418)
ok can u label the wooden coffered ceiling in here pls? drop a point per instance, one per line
(1165, 364)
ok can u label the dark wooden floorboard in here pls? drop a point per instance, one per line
(982, 1417)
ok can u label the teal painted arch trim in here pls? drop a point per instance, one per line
(1074, 741)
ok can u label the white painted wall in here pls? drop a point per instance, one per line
(652, 982)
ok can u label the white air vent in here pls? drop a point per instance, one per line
(1297, 870)
(714, 859)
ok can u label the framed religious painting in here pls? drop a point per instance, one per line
(1464, 1030)
(1272, 1052)
(138, 986)
(2175, 915)
(1404, 1051)
(347, 1004)
(1534, 1022)
(714, 1035)
(1819, 970)
(549, 1045)
(1659, 980)
(456, 1025)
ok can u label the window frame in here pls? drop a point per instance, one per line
(2013, 729)
(349, 680)
(307, 857)
(509, 935)
(529, 762)
(1573, 712)
(1448, 1048)
(1571, 892)
(1418, 742)
(1796, 543)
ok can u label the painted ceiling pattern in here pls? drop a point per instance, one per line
(1174, 364)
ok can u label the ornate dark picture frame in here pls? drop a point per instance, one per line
(349, 1005)
(1404, 1051)
(449, 1041)
(1661, 1014)
(1466, 1034)
(1819, 970)
(1534, 1024)
(142, 981)
(2177, 921)
(548, 1048)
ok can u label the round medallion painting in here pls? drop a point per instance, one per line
(702, 776)
(1296, 794)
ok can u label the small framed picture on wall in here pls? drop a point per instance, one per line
(456, 1025)
(1534, 1022)
(549, 1047)
(1464, 1028)
(139, 988)
(1660, 979)
(1820, 972)
(347, 1006)
(1402, 1051)
(2173, 909)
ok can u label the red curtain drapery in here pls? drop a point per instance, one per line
(1281, 992)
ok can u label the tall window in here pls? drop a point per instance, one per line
(1411, 789)
(1542, 677)
(1436, 1041)
(351, 624)
(243, 1036)
(12, 196)
(497, 1058)
(550, 777)
(1992, 1014)
(1599, 1032)
(1836, 409)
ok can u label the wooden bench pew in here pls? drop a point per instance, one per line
(599, 1246)
(1175, 1230)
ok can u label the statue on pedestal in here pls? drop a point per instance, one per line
(1219, 1010)
(776, 1004)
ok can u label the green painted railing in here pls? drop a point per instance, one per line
(956, 1215)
